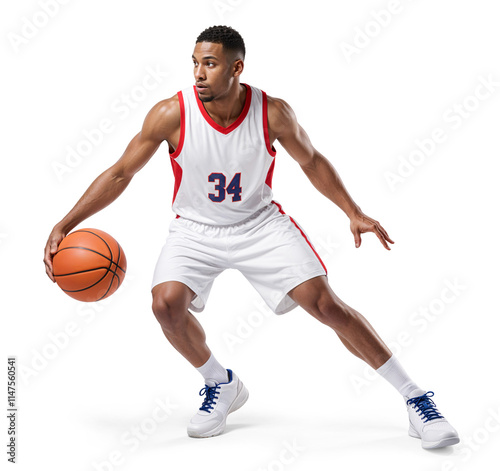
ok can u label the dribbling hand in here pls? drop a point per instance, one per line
(55, 238)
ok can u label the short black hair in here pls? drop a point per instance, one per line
(230, 39)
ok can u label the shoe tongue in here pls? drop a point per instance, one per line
(416, 392)
(210, 383)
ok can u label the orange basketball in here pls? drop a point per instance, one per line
(89, 265)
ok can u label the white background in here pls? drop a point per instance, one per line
(82, 397)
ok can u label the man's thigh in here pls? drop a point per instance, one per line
(193, 258)
(275, 258)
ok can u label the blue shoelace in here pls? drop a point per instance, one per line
(210, 393)
(425, 406)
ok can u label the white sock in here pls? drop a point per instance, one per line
(393, 372)
(213, 372)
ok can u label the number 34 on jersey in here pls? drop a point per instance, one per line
(234, 187)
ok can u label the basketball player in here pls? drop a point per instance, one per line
(220, 134)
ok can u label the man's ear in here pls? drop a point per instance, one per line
(238, 67)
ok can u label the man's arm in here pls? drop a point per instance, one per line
(161, 123)
(283, 126)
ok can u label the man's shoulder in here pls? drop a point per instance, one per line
(278, 105)
(166, 112)
(280, 114)
(163, 120)
(167, 107)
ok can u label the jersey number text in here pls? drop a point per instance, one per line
(234, 188)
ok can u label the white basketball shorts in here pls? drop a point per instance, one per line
(269, 248)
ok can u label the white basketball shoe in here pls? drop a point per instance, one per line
(427, 423)
(220, 400)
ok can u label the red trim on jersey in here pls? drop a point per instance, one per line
(177, 151)
(271, 150)
(303, 235)
(178, 177)
(177, 169)
(269, 178)
(233, 126)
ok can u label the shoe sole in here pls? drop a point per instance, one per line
(437, 444)
(239, 401)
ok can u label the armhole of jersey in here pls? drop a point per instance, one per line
(177, 151)
(271, 150)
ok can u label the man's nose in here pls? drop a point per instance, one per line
(199, 73)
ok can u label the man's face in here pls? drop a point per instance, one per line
(213, 71)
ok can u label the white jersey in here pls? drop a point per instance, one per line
(222, 175)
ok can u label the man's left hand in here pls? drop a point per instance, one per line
(361, 223)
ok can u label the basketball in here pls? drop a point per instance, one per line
(89, 265)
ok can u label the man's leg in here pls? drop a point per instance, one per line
(316, 297)
(170, 306)
(224, 392)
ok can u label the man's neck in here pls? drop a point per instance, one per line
(226, 110)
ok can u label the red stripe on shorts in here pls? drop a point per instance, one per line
(303, 235)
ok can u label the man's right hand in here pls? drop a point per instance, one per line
(55, 238)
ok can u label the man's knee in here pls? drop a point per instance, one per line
(330, 310)
(164, 308)
(170, 303)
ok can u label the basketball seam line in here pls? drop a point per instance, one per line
(111, 263)
(91, 250)
(83, 271)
